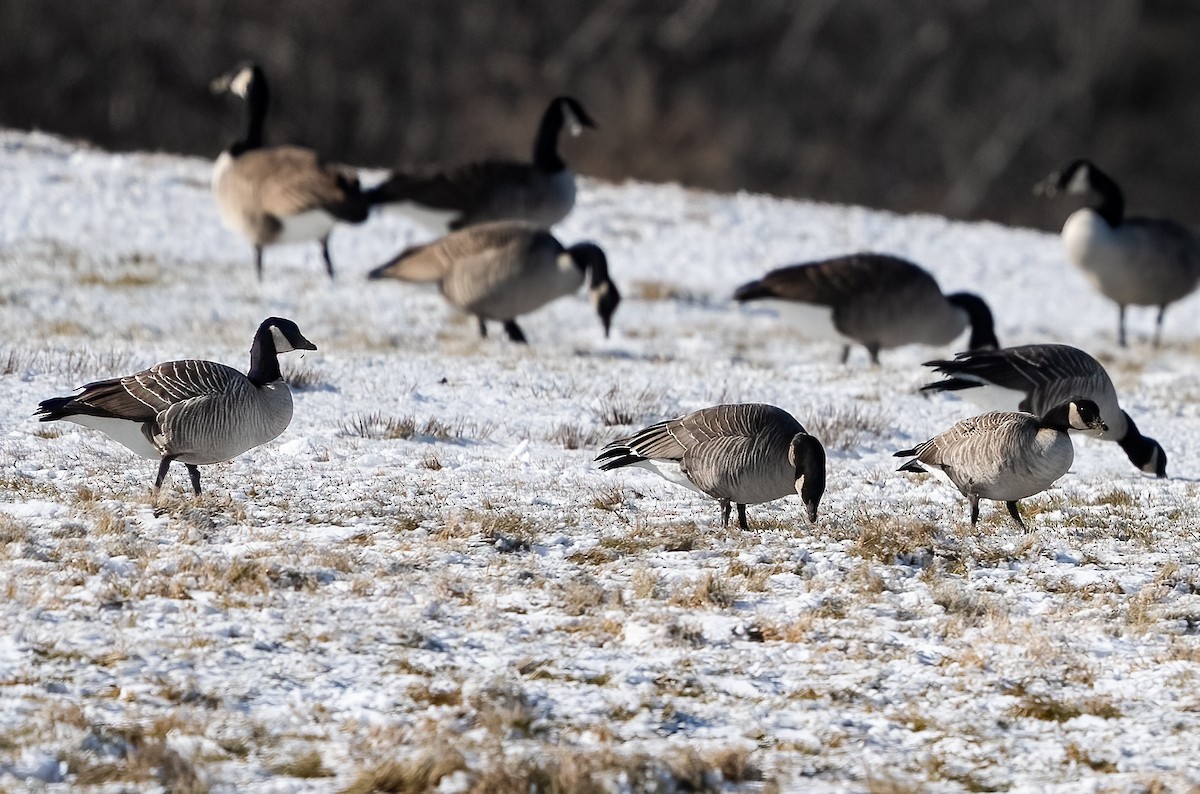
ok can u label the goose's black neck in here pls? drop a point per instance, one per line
(256, 112)
(545, 145)
(1110, 202)
(1057, 418)
(983, 325)
(264, 360)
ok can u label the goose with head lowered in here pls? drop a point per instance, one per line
(541, 192)
(1005, 456)
(194, 412)
(1131, 261)
(877, 300)
(499, 271)
(739, 454)
(279, 194)
(1035, 378)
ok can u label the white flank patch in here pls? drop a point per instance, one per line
(669, 471)
(126, 433)
(808, 319)
(311, 225)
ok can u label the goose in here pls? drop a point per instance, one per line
(196, 412)
(541, 192)
(499, 271)
(742, 454)
(279, 194)
(1006, 455)
(1132, 261)
(1035, 378)
(876, 300)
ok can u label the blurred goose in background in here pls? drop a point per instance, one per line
(541, 192)
(196, 412)
(279, 194)
(876, 300)
(1005, 455)
(1035, 378)
(499, 271)
(1133, 261)
(737, 454)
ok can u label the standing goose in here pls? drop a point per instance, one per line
(499, 271)
(279, 194)
(196, 412)
(541, 192)
(877, 300)
(1035, 378)
(1133, 261)
(1005, 455)
(741, 454)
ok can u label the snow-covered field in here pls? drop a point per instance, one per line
(425, 582)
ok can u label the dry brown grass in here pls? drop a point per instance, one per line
(846, 426)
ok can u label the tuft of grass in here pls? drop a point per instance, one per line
(619, 408)
(378, 426)
(307, 765)
(416, 772)
(891, 538)
(711, 589)
(576, 436)
(300, 377)
(845, 427)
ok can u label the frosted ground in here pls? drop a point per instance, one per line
(426, 582)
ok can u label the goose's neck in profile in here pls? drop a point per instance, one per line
(545, 145)
(264, 360)
(1111, 202)
(256, 113)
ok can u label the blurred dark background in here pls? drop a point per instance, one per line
(948, 106)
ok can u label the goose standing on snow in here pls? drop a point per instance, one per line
(1005, 455)
(196, 412)
(1133, 261)
(541, 192)
(279, 194)
(876, 300)
(499, 271)
(737, 454)
(1035, 378)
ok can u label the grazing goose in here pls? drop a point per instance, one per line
(541, 192)
(1005, 455)
(499, 271)
(1035, 378)
(279, 194)
(1133, 261)
(877, 300)
(741, 454)
(196, 412)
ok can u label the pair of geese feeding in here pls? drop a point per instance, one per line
(749, 454)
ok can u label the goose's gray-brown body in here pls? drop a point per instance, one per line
(196, 412)
(279, 194)
(541, 192)
(1035, 378)
(500, 271)
(1130, 260)
(877, 300)
(740, 454)
(1006, 456)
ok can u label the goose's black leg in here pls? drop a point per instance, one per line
(974, 509)
(163, 465)
(514, 331)
(724, 513)
(258, 261)
(325, 256)
(1121, 324)
(1012, 511)
(482, 327)
(845, 353)
(742, 517)
(194, 472)
(874, 351)
(1162, 310)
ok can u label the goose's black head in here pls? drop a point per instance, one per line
(589, 258)
(245, 80)
(563, 111)
(808, 455)
(1083, 178)
(572, 114)
(285, 334)
(1075, 414)
(1143, 451)
(275, 335)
